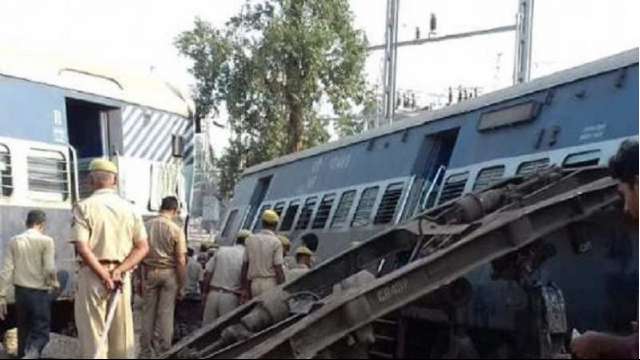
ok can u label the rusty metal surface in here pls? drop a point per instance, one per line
(448, 249)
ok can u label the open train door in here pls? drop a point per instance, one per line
(95, 131)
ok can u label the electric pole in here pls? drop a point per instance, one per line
(390, 60)
(522, 68)
(524, 35)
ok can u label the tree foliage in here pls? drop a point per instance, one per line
(274, 66)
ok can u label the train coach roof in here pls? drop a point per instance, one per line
(599, 66)
(112, 83)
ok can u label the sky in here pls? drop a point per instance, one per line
(138, 36)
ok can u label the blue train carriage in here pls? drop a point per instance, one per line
(55, 119)
(348, 190)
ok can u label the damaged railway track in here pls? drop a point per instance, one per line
(329, 312)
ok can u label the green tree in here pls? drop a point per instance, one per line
(282, 61)
(209, 51)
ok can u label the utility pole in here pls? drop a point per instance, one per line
(390, 60)
(522, 69)
(524, 35)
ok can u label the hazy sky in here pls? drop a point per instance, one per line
(138, 35)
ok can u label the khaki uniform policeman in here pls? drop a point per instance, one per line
(223, 280)
(263, 260)
(164, 273)
(289, 261)
(303, 263)
(111, 240)
(194, 276)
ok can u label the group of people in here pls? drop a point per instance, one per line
(111, 240)
(112, 243)
(256, 264)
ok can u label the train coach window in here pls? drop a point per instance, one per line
(290, 215)
(586, 158)
(362, 216)
(279, 208)
(322, 215)
(453, 187)
(230, 220)
(344, 207)
(532, 167)
(389, 204)
(487, 177)
(306, 213)
(6, 181)
(257, 226)
(48, 174)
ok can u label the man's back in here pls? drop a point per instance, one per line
(194, 274)
(109, 223)
(165, 239)
(226, 267)
(297, 271)
(263, 252)
(32, 254)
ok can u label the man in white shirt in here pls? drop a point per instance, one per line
(29, 266)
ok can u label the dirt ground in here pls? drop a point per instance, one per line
(65, 347)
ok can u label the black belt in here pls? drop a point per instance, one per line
(109, 262)
(223, 290)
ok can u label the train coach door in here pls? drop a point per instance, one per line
(437, 152)
(95, 131)
(259, 193)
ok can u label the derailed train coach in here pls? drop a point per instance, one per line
(347, 191)
(56, 117)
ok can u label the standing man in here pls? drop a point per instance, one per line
(303, 263)
(311, 241)
(263, 267)
(29, 266)
(194, 276)
(110, 238)
(222, 280)
(164, 276)
(289, 261)
(596, 345)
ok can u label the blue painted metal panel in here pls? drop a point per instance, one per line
(32, 111)
(363, 162)
(603, 112)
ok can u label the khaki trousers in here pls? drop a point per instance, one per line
(219, 303)
(260, 286)
(91, 306)
(160, 291)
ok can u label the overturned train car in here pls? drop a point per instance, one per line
(349, 190)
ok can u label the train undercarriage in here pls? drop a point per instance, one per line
(467, 279)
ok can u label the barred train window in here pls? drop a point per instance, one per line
(344, 207)
(258, 221)
(586, 158)
(322, 215)
(229, 224)
(389, 204)
(306, 212)
(362, 216)
(487, 177)
(6, 180)
(290, 215)
(453, 187)
(48, 174)
(532, 167)
(279, 208)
